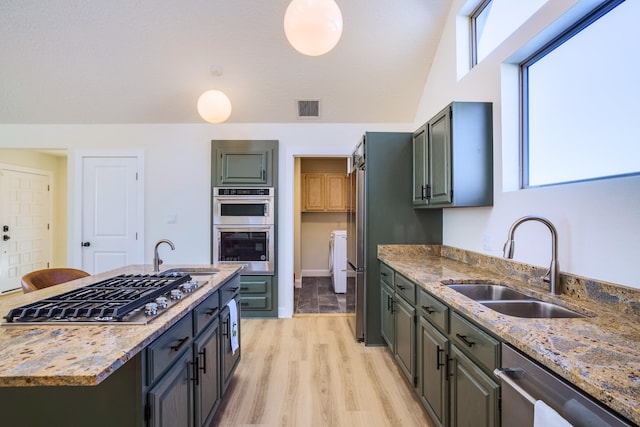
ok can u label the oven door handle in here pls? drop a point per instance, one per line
(503, 375)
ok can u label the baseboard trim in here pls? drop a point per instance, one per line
(315, 273)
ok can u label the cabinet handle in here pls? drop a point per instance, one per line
(428, 309)
(438, 352)
(234, 289)
(212, 311)
(428, 192)
(196, 376)
(203, 353)
(447, 367)
(180, 344)
(382, 273)
(402, 288)
(244, 304)
(388, 303)
(225, 328)
(463, 338)
(422, 196)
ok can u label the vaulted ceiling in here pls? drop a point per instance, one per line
(147, 61)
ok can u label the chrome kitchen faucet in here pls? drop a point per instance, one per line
(553, 275)
(156, 259)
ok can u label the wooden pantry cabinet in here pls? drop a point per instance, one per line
(325, 192)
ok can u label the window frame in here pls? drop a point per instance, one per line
(591, 17)
(474, 31)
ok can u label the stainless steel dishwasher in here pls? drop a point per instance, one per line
(525, 381)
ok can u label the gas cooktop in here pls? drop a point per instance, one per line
(124, 299)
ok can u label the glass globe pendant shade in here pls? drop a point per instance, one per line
(313, 27)
(214, 106)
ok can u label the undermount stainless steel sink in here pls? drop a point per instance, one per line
(484, 292)
(531, 309)
(192, 271)
(511, 302)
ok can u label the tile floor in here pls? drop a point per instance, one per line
(317, 296)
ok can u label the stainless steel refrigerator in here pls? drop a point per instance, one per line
(380, 212)
(356, 236)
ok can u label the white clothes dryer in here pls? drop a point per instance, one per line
(338, 260)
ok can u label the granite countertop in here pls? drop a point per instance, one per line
(84, 354)
(599, 353)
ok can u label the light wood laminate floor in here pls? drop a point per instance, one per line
(309, 371)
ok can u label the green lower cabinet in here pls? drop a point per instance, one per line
(405, 333)
(433, 384)
(171, 399)
(473, 394)
(258, 296)
(386, 314)
(207, 386)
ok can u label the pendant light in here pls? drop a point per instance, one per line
(313, 27)
(213, 105)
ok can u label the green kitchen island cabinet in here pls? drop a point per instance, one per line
(453, 157)
(166, 373)
(244, 163)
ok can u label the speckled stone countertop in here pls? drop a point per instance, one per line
(599, 354)
(84, 354)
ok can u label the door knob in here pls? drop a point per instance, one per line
(86, 244)
(5, 237)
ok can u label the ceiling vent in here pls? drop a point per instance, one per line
(309, 109)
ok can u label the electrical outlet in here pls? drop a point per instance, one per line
(487, 242)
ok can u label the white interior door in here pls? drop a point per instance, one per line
(111, 223)
(25, 218)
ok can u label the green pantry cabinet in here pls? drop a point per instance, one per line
(447, 358)
(178, 380)
(453, 157)
(250, 163)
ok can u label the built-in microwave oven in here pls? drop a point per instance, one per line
(246, 206)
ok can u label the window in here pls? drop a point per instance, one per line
(579, 99)
(495, 20)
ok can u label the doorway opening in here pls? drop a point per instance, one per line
(321, 200)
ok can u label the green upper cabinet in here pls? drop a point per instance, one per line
(244, 163)
(453, 157)
(420, 165)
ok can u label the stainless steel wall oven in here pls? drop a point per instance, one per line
(243, 228)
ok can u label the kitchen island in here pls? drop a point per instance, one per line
(598, 353)
(114, 374)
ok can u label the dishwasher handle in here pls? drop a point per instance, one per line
(502, 374)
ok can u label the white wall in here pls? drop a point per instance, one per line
(598, 222)
(177, 175)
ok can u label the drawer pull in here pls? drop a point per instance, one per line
(463, 338)
(234, 289)
(428, 309)
(212, 312)
(382, 273)
(438, 352)
(244, 304)
(402, 288)
(244, 288)
(180, 344)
